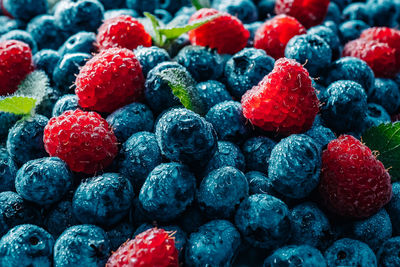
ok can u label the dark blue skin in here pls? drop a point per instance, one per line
(387, 94)
(25, 9)
(60, 218)
(294, 166)
(163, 15)
(393, 208)
(350, 252)
(7, 171)
(331, 25)
(227, 154)
(321, 135)
(167, 191)
(389, 253)
(185, 136)
(25, 140)
(351, 30)
(252, 28)
(26, 245)
(112, 13)
(119, 234)
(7, 24)
(357, 11)
(383, 12)
(263, 221)
(342, 3)
(376, 115)
(150, 57)
(311, 51)
(211, 93)
(81, 42)
(245, 10)
(50, 98)
(214, 244)
(22, 36)
(221, 191)
(345, 106)
(259, 183)
(64, 103)
(330, 37)
(104, 199)
(192, 219)
(182, 40)
(202, 63)
(43, 181)
(170, 5)
(46, 60)
(229, 122)
(82, 245)
(266, 9)
(112, 4)
(301, 256)
(245, 69)
(139, 155)
(257, 151)
(67, 68)
(130, 119)
(334, 13)
(7, 120)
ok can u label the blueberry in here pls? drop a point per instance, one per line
(351, 30)
(385, 93)
(257, 151)
(7, 24)
(259, 183)
(26, 245)
(302, 255)
(112, 4)
(22, 36)
(7, 171)
(182, 40)
(389, 253)
(331, 25)
(245, 69)
(120, 234)
(350, 252)
(46, 33)
(25, 9)
(167, 191)
(25, 139)
(139, 155)
(376, 115)
(263, 221)
(357, 11)
(202, 63)
(45, 107)
(170, 5)
(81, 42)
(82, 245)
(334, 13)
(46, 60)
(60, 218)
(103, 200)
(150, 57)
(214, 244)
(245, 10)
(163, 15)
(321, 135)
(330, 37)
(112, 13)
(185, 136)
(252, 28)
(212, 92)
(227, 154)
(342, 3)
(7, 120)
(64, 103)
(266, 9)
(383, 12)
(393, 208)
(294, 166)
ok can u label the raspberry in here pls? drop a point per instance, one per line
(353, 182)
(110, 80)
(15, 64)
(123, 32)
(284, 101)
(379, 56)
(154, 247)
(82, 139)
(275, 33)
(225, 33)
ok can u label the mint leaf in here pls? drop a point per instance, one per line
(157, 37)
(199, 4)
(18, 105)
(385, 139)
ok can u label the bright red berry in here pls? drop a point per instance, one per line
(225, 33)
(154, 247)
(308, 12)
(123, 32)
(275, 33)
(284, 101)
(379, 56)
(111, 79)
(82, 139)
(15, 64)
(353, 182)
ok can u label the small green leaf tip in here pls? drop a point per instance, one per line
(156, 35)
(18, 105)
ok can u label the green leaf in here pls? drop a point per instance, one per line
(199, 4)
(385, 139)
(157, 37)
(19, 105)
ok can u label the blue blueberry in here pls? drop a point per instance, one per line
(302, 255)
(393, 208)
(266, 9)
(7, 120)
(295, 165)
(252, 28)
(389, 253)
(163, 15)
(119, 234)
(227, 154)
(45, 107)
(334, 13)
(150, 57)
(112, 4)
(330, 37)
(246, 69)
(263, 221)
(357, 11)
(81, 42)
(182, 40)
(46, 33)
(25, 9)
(103, 200)
(170, 5)
(350, 252)
(259, 183)
(112, 13)
(331, 25)
(82, 245)
(7, 171)
(167, 191)
(26, 245)
(376, 115)
(342, 3)
(257, 151)
(7, 24)
(22, 36)
(385, 93)
(221, 191)
(25, 139)
(321, 135)
(60, 218)
(211, 93)
(245, 10)
(214, 244)
(64, 103)
(383, 12)
(351, 29)
(46, 60)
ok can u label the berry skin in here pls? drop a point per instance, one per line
(45, 107)
(302, 255)
(376, 115)
(352, 29)
(393, 208)
(154, 247)
(15, 64)
(227, 154)
(46, 60)
(120, 234)
(330, 37)
(122, 32)
(284, 101)
(150, 57)
(259, 183)
(112, 13)
(60, 218)
(357, 11)
(20, 35)
(321, 135)
(110, 80)
(225, 33)
(308, 12)
(245, 10)
(65, 103)
(82, 42)
(387, 94)
(383, 12)
(7, 120)
(389, 253)
(211, 93)
(82, 139)
(24, 9)
(8, 172)
(257, 151)
(353, 182)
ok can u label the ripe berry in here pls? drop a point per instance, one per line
(225, 33)
(110, 80)
(304, 254)
(82, 139)
(275, 33)
(284, 101)
(154, 247)
(123, 32)
(353, 182)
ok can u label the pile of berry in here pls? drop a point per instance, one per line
(171, 133)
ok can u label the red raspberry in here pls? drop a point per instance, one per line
(123, 32)
(111, 79)
(275, 33)
(15, 64)
(308, 12)
(154, 247)
(82, 139)
(379, 56)
(284, 101)
(353, 182)
(225, 33)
